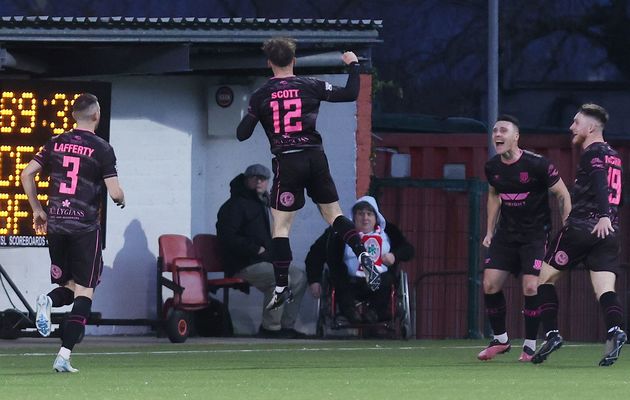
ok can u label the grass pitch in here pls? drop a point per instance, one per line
(128, 368)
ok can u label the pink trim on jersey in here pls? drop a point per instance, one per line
(98, 232)
(282, 77)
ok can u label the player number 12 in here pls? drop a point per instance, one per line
(293, 108)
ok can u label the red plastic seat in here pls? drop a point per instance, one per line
(177, 256)
(206, 248)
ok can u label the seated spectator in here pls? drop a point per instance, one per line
(244, 234)
(387, 247)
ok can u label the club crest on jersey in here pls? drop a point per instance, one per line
(287, 199)
(523, 177)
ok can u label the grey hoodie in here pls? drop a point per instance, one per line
(350, 258)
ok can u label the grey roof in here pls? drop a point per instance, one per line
(185, 30)
(46, 46)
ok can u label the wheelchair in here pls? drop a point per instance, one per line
(330, 321)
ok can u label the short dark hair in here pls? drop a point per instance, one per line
(280, 50)
(596, 111)
(363, 205)
(509, 118)
(83, 102)
(85, 107)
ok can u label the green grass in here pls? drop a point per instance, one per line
(306, 370)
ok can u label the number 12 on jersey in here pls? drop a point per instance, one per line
(292, 110)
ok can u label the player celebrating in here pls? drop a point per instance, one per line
(519, 185)
(591, 235)
(80, 164)
(287, 107)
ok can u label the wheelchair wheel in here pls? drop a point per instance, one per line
(323, 319)
(404, 310)
(177, 326)
(320, 328)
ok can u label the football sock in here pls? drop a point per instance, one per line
(530, 343)
(548, 300)
(64, 352)
(532, 317)
(502, 338)
(346, 230)
(75, 322)
(613, 313)
(61, 296)
(495, 309)
(281, 255)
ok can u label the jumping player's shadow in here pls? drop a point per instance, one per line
(127, 288)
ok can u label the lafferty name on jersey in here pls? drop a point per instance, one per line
(285, 94)
(73, 148)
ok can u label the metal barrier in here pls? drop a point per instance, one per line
(446, 215)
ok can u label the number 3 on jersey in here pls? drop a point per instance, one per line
(614, 184)
(292, 109)
(72, 163)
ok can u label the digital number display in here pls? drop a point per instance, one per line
(31, 112)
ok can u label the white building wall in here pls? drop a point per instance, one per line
(175, 178)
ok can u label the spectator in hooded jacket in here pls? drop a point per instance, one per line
(387, 247)
(244, 234)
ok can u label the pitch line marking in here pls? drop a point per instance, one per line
(217, 351)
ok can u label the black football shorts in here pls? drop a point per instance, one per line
(77, 257)
(294, 172)
(573, 246)
(516, 257)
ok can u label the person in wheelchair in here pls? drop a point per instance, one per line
(386, 245)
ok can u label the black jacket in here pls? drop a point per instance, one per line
(243, 227)
(329, 249)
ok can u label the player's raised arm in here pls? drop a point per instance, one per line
(351, 91)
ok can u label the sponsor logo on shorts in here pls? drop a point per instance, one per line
(55, 271)
(287, 199)
(561, 258)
